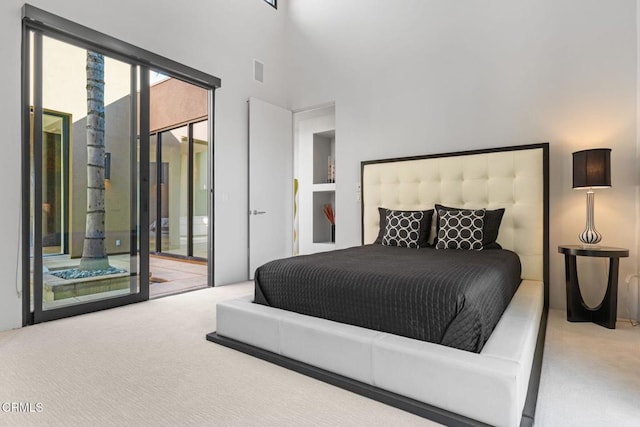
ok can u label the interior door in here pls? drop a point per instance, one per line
(270, 183)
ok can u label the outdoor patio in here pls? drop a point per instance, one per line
(167, 276)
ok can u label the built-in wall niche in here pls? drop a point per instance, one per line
(324, 155)
(322, 230)
(315, 159)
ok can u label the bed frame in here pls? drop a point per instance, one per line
(497, 386)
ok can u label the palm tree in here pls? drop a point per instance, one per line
(94, 254)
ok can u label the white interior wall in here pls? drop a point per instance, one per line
(408, 77)
(218, 37)
(414, 77)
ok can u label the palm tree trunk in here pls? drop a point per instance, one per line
(94, 254)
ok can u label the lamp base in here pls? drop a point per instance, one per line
(590, 235)
(589, 245)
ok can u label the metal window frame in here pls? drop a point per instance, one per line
(85, 37)
(190, 198)
(159, 182)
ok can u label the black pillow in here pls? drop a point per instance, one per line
(425, 226)
(492, 220)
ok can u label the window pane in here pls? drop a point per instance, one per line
(153, 191)
(54, 182)
(86, 177)
(174, 190)
(200, 189)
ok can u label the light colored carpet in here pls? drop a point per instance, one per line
(590, 375)
(149, 364)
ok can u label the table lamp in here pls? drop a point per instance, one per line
(591, 169)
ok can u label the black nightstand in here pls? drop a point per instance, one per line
(577, 311)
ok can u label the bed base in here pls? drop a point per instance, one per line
(508, 368)
(404, 403)
(392, 399)
(529, 411)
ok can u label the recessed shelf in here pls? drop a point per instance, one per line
(324, 151)
(321, 225)
(323, 187)
(323, 246)
(315, 137)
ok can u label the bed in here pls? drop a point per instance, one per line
(497, 385)
(449, 297)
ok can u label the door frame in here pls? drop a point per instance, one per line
(41, 23)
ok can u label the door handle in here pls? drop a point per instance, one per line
(255, 212)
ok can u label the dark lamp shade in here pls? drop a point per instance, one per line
(592, 168)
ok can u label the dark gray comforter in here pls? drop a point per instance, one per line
(450, 297)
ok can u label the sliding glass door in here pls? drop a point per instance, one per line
(87, 172)
(200, 191)
(84, 180)
(179, 221)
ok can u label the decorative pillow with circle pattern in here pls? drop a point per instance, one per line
(425, 225)
(403, 229)
(492, 220)
(461, 229)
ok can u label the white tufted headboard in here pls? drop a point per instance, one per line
(514, 178)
